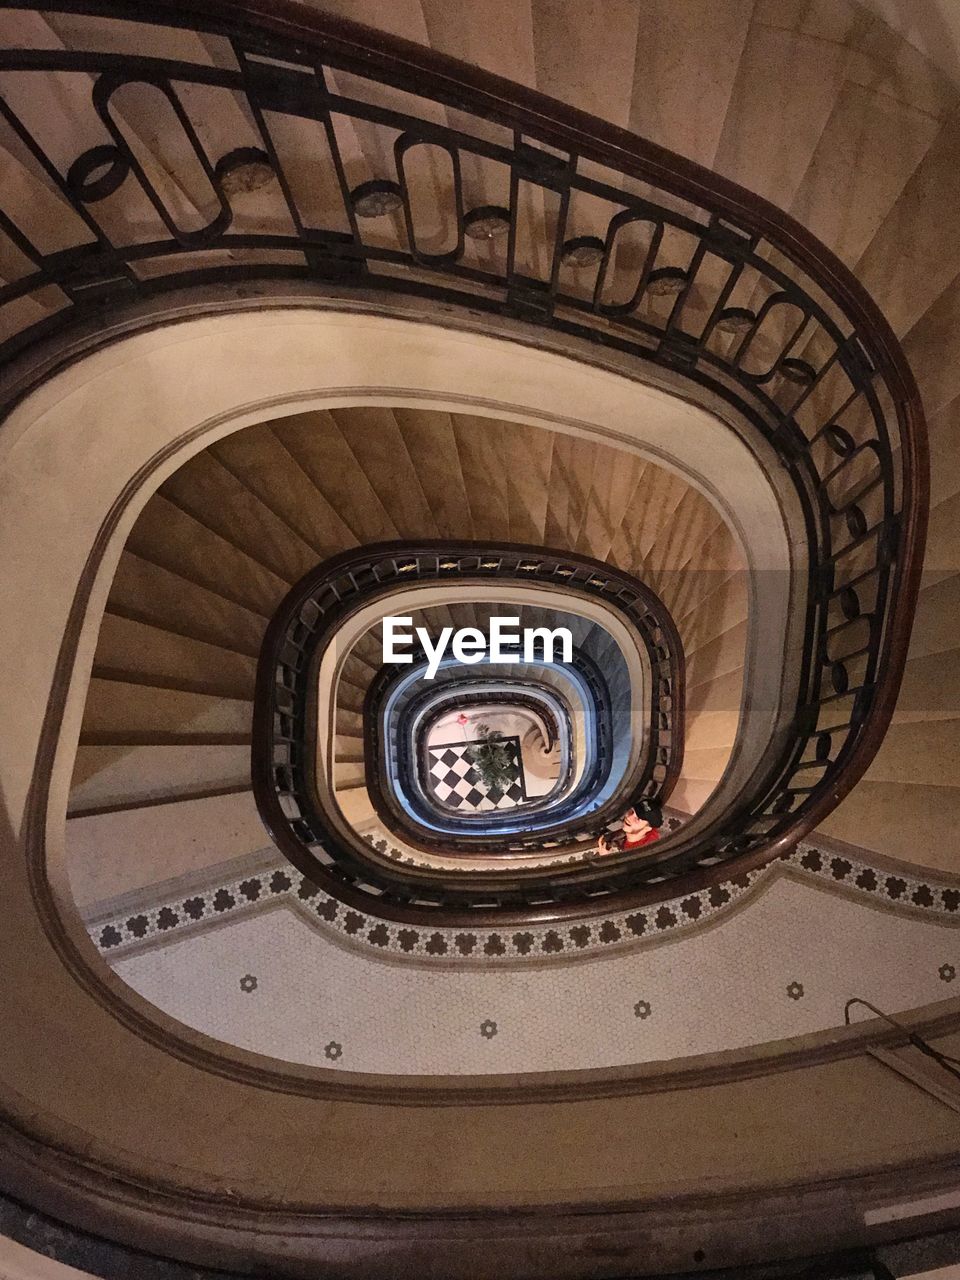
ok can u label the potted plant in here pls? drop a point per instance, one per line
(492, 759)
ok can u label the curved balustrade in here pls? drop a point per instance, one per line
(641, 252)
(284, 729)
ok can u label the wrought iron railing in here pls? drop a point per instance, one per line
(463, 189)
(286, 745)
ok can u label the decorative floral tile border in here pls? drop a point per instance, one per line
(176, 917)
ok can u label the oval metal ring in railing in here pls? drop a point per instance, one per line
(406, 146)
(164, 187)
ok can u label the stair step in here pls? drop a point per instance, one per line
(724, 653)
(174, 539)
(114, 704)
(155, 842)
(430, 440)
(350, 697)
(175, 684)
(348, 748)
(112, 775)
(909, 821)
(377, 443)
(146, 651)
(354, 803)
(350, 723)
(315, 441)
(722, 694)
(152, 594)
(262, 463)
(215, 498)
(483, 447)
(349, 773)
(159, 738)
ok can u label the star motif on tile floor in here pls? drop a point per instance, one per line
(333, 1051)
(642, 1009)
(248, 983)
(488, 1029)
(795, 990)
(947, 972)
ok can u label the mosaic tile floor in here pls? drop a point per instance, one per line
(782, 965)
(263, 960)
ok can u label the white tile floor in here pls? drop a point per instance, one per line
(722, 987)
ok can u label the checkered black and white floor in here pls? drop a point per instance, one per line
(455, 782)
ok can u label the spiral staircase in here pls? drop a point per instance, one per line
(639, 316)
(219, 545)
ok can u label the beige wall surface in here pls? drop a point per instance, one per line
(19, 1263)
